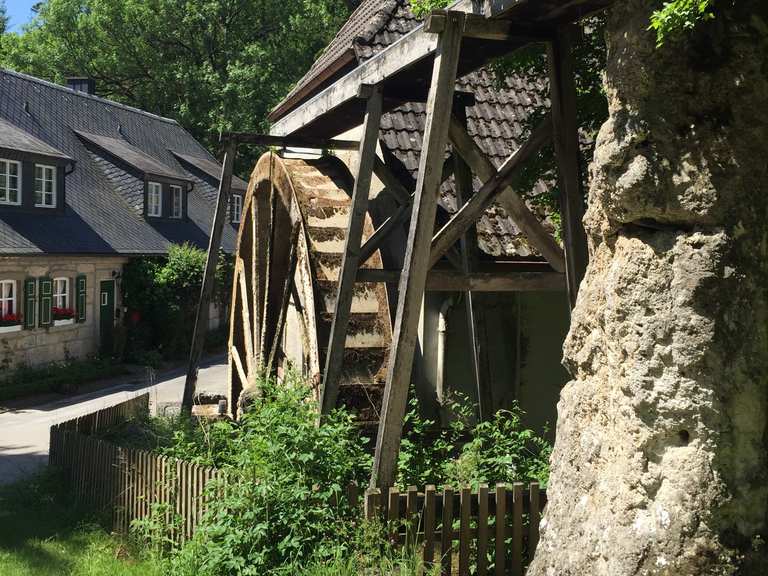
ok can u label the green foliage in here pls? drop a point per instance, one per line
(465, 453)
(42, 533)
(679, 16)
(210, 64)
(161, 295)
(3, 18)
(421, 8)
(59, 377)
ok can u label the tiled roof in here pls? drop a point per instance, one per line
(103, 208)
(210, 169)
(12, 138)
(496, 121)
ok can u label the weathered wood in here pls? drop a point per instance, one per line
(351, 260)
(446, 533)
(289, 141)
(482, 28)
(429, 524)
(439, 280)
(534, 517)
(391, 182)
(482, 530)
(464, 530)
(206, 291)
(372, 503)
(413, 280)
(412, 518)
(562, 94)
(393, 514)
(496, 188)
(501, 528)
(517, 529)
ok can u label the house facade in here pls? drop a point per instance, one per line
(86, 184)
(519, 334)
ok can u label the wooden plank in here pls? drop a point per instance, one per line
(501, 529)
(429, 525)
(464, 531)
(289, 141)
(393, 514)
(496, 187)
(413, 280)
(482, 530)
(245, 317)
(566, 140)
(446, 529)
(517, 529)
(351, 260)
(391, 182)
(534, 518)
(481, 28)
(440, 280)
(412, 517)
(372, 500)
(206, 290)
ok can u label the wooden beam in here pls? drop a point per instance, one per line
(496, 187)
(289, 141)
(468, 243)
(414, 277)
(481, 28)
(439, 280)
(209, 275)
(351, 261)
(566, 139)
(391, 182)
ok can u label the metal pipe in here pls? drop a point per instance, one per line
(442, 329)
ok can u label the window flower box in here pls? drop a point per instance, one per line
(62, 314)
(64, 322)
(10, 323)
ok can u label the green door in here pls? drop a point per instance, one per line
(107, 316)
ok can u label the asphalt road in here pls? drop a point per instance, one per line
(24, 432)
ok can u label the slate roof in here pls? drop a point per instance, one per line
(211, 169)
(104, 192)
(496, 121)
(12, 138)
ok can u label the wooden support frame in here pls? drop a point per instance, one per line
(496, 188)
(290, 141)
(351, 260)
(441, 280)
(562, 84)
(478, 27)
(413, 280)
(206, 290)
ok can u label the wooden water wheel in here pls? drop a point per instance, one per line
(289, 252)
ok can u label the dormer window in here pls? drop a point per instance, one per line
(155, 199)
(237, 208)
(45, 186)
(10, 182)
(177, 201)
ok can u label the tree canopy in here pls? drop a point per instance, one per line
(3, 18)
(212, 65)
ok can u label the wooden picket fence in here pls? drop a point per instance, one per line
(465, 528)
(124, 483)
(495, 530)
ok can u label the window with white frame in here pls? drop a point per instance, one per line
(61, 292)
(155, 199)
(45, 186)
(7, 297)
(177, 201)
(10, 182)
(237, 208)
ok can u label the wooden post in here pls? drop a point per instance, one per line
(413, 279)
(206, 291)
(429, 525)
(446, 533)
(482, 530)
(351, 260)
(501, 528)
(464, 190)
(562, 94)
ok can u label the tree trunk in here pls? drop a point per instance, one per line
(661, 459)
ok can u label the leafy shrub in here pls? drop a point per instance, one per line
(161, 295)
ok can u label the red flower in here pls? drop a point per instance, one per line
(10, 319)
(63, 313)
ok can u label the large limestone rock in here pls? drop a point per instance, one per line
(661, 460)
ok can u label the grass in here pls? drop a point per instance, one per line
(41, 534)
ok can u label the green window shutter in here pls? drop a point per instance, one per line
(45, 289)
(30, 302)
(80, 298)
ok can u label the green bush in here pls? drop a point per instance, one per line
(60, 377)
(161, 295)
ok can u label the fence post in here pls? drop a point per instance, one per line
(372, 499)
(534, 516)
(464, 532)
(501, 527)
(482, 530)
(429, 524)
(517, 529)
(446, 544)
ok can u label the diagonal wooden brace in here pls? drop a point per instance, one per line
(496, 188)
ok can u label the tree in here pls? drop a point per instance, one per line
(660, 464)
(3, 18)
(212, 65)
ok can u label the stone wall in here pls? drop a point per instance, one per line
(33, 347)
